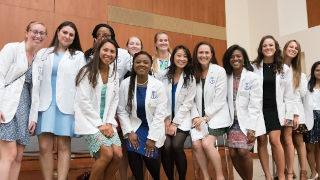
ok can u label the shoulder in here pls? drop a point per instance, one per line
(123, 53)
(78, 53)
(12, 46)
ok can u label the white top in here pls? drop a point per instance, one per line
(124, 63)
(248, 102)
(87, 105)
(316, 97)
(184, 97)
(13, 63)
(215, 98)
(68, 69)
(155, 107)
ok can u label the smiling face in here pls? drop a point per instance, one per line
(236, 60)
(292, 50)
(268, 47)
(36, 35)
(142, 65)
(204, 55)
(107, 53)
(134, 45)
(162, 42)
(66, 36)
(180, 59)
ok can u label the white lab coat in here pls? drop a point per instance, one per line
(87, 105)
(124, 63)
(184, 98)
(248, 102)
(68, 69)
(215, 98)
(284, 92)
(309, 104)
(155, 107)
(13, 63)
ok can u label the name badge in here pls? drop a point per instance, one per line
(211, 80)
(153, 94)
(282, 75)
(246, 86)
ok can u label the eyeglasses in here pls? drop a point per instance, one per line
(41, 33)
(105, 35)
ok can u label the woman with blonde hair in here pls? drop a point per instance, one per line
(161, 58)
(16, 60)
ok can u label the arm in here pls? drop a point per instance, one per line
(123, 114)
(186, 104)
(255, 103)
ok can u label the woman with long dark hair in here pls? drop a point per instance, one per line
(211, 108)
(16, 68)
(141, 111)
(312, 113)
(277, 102)
(245, 104)
(57, 67)
(95, 108)
(181, 90)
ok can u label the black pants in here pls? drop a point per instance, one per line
(136, 165)
(173, 153)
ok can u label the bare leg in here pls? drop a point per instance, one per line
(277, 153)
(64, 156)
(286, 137)
(46, 156)
(15, 167)
(113, 166)
(317, 153)
(301, 150)
(263, 155)
(201, 158)
(213, 154)
(8, 153)
(311, 158)
(100, 165)
(243, 163)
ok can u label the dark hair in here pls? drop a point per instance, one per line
(196, 65)
(133, 75)
(313, 80)
(75, 46)
(92, 67)
(227, 56)
(188, 70)
(94, 35)
(278, 60)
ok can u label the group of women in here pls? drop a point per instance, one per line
(134, 108)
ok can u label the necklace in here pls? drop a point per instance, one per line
(141, 84)
(268, 64)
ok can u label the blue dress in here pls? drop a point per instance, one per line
(143, 130)
(53, 120)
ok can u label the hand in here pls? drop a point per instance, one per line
(172, 129)
(106, 130)
(167, 124)
(32, 127)
(150, 147)
(197, 122)
(295, 122)
(251, 136)
(133, 140)
(286, 121)
(2, 117)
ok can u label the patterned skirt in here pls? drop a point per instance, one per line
(236, 138)
(313, 136)
(95, 141)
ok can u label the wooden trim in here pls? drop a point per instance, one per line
(165, 23)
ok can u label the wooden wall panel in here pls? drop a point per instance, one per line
(96, 9)
(45, 5)
(313, 10)
(204, 11)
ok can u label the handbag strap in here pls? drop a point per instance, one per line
(8, 84)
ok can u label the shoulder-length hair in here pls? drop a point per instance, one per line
(188, 70)
(156, 53)
(278, 60)
(196, 65)
(92, 67)
(227, 56)
(295, 63)
(132, 82)
(75, 46)
(313, 80)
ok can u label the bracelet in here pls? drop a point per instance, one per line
(205, 119)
